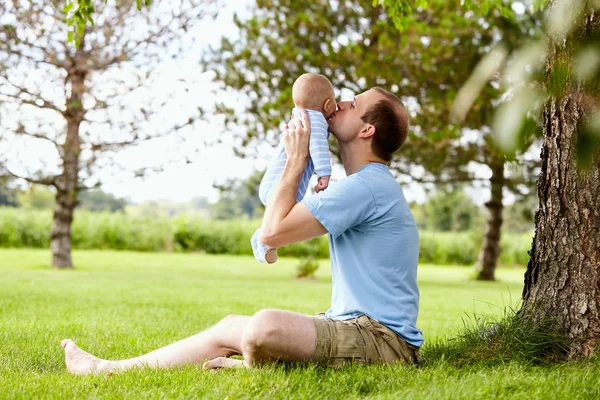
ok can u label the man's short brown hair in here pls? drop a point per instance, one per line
(390, 119)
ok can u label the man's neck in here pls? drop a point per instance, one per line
(355, 157)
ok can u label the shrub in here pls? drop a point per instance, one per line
(119, 231)
(514, 249)
(307, 267)
(447, 248)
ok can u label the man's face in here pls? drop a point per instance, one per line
(345, 123)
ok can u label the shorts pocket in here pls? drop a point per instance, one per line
(349, 342)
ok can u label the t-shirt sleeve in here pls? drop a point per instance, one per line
(343, 205)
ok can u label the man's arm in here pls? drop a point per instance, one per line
(286, 222)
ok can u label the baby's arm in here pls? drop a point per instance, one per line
(319, 153)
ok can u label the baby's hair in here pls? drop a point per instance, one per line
(311, 90)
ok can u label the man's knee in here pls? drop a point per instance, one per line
(228, 319)
(261, 331)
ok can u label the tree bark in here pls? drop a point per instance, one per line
(68, 182)
(60, 242)
(490, 248)
(562, 278)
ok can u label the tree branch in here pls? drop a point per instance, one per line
(85, 187)
(47, 181)
(45, 103)
(136, 139)
(133, 50)
(21, 131)
(101, 147)
(35, 60)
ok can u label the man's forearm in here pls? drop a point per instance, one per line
(283, 198)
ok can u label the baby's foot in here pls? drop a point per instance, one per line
(80, 362)
(271, 256)
(261, 252)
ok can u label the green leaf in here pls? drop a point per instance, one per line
(68, 7)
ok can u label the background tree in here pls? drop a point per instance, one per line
(84, 103)
(520, 214)
(353, 43)
(239, 198)
(8, 193)
(37, 197)
(450, 210)
(97, 200)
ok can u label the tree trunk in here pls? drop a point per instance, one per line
(60, 242)
(67, 185)
(562, 278)
(490, 248)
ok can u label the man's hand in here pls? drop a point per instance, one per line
(297, 137)
(322, 183)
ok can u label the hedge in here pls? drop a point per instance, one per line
(118, 231)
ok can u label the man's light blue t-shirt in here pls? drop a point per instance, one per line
(374, 250)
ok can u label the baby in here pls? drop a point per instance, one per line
(313, 92)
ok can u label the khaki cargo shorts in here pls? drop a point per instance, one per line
(360, 339)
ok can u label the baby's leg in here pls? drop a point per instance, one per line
(272, 175)
(304, 181)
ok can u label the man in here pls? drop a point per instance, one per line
(374, 251)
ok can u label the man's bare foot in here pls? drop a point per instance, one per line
(80, 362)
(271, 256)
(223, 362)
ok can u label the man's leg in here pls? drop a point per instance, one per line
(269, 335)
(274, 335)
(223, 339)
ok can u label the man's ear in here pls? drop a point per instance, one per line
(367, 131)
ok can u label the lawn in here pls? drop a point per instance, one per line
(121, 304)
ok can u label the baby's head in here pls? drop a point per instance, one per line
(314, 92)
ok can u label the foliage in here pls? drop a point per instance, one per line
(198, 207)
(307, 267)
(37, 197)
(97, 200)
(239, 198)
(357, 49)
(121, 232)
(79, 13)
(189, 233)
(451, 210)
(521, 69)
(233, 237)
(8, 194)
(21, 228)
(519, 216)
(447, 248)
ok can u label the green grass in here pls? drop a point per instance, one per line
(122, 304)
